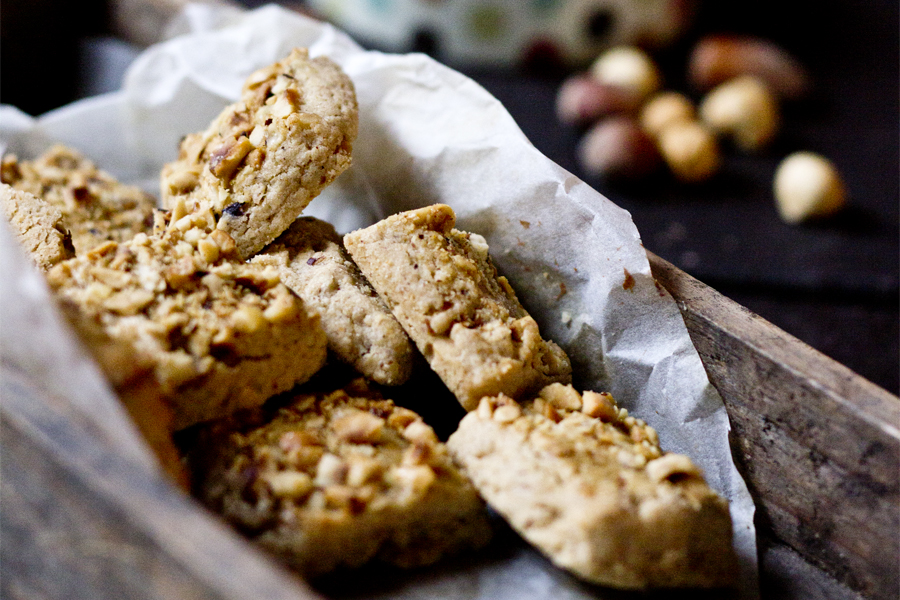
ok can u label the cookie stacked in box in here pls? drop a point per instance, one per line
(214, 316)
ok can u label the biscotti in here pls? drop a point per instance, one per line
(443, 288)
(590, 487)
(222, 334)
(361, 330)
(130, 372)
(95, 207)
(38, 227)
(264, 158)
(338, 479)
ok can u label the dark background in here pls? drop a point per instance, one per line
(832, 284)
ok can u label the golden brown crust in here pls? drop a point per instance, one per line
(264, 158)
(465, 319)
(361, 330)
(339, 479)
(590, 487)
(38, 227)
(221, 334)
(95, 207)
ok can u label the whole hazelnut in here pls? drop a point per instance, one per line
(616, 147)
(807, 185)
(690, 150)
(663, 109)
(745, 109)
(718, 58)
(583, 99)
(628, 67)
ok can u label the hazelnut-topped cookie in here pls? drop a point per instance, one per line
(38, 226)
(265, 157)
(465, 318)
(361, 330)
(95, 207)
(590, 487)
(339, 478)
(218, 334)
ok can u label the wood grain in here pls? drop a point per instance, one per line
(818, 445)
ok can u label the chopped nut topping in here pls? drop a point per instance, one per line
(225, 160)
(208, 249)
(223, 241)
(363, 471)
(544, 408)
(405, 487)
(290, 484)
(287, 103)
(600, 406)
(417, 454)
(507, 413)
(282, 309)
(248, 318)
(485, 408)
(293, 440)
(562, 396)
(102, 250)
(331, 471)
(673, 467)
(419, 432)
(182, 181)
(359, 428)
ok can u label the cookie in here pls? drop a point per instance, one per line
(360, 328)
(590, 487)
(38, 227)
(443, 288)
(221, 334)
(340, 479)
(264, 158)
(95, 207)
(130, 372)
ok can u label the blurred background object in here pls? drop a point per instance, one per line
(144, 22)
(831, 282)
(507, 33)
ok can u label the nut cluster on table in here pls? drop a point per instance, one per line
(634, 124)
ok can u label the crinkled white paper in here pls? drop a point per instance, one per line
(428, 134)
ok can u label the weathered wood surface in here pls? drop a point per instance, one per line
(818, 445)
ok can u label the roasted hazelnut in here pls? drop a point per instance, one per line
(628, 67)
(744, 109)
(718, 58)
(583, 99)
(617, 147)
(690, 151)
(663, 109)
(807, 185)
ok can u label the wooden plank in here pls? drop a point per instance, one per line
(818, 445)
(82, 521)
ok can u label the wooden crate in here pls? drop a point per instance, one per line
(818, 445)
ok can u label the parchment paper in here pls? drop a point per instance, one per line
(428, 134)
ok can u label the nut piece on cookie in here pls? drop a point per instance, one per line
(465, 319)
(361, 330)
(264, 158)
(590, 487)
(339, 479)
(38, 227)
(95, 207)
(221, 334)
